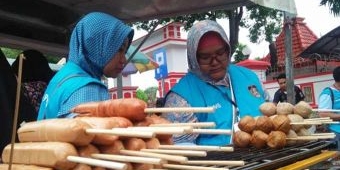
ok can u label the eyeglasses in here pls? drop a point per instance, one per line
(219, 55)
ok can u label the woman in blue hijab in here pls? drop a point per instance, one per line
(97, 48)
(212, 81)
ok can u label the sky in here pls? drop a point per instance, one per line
(318, 19)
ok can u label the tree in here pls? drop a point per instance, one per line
(10, 53)
(140, 94)
(13, 53)
(334, 6)
(239, 56)
(151, 93)
(258, 17)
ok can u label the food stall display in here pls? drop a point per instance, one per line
(119, 134)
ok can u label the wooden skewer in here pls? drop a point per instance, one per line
(318, 118)
(197, 147)
(180, 110)
(312, 137)
(96, 162)
(223, 163)
(212, 131)
(125, 158)
(306, 123)
(322, 134)
(177, 152)
(122, 132)
(155, 155)
(326, 110)
(163, 130)
(198, 124)
(334, 122)
(189, 167)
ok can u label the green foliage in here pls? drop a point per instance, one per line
(334, 6)
(263, 23)
(238, 55)
(11, 53)
(151, 93)
(140, 94)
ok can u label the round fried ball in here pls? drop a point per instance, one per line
(281, 123)
(241, 139)
(303, 109)
(276, 140)
(264, 123)
(258, 139)
(268, 109)
(284, 108)
(247, 124)
(291, 134)
(295, 118)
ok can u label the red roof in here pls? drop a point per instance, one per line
(302, 37)
(254, 64)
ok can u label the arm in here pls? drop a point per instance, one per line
(325, 102)
(276, 97)
(174, 100)
(88, 93)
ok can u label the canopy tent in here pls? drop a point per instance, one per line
(46, 25)
(326, 48)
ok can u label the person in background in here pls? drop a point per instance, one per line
(97, 48)
(212, 81)
(330, 99)
(8, 89)
(159, 103)
(36, 74)
(281, 94)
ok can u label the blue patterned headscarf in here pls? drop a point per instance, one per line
(95, 40)
(195, 34)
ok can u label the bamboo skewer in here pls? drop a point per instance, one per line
(316, 122)
(212, 131)
(96, 162)
(177, 152)
(122, 132)
(163, 130)
(198, 124)
(16, 109)
(306, 123)
(125, 158)
(312, 137)
(180, 110)
(326, 110)
(155, 155)
(221, 163)
(189, 167)
(318, 118)
(322, 134)
(197, 147)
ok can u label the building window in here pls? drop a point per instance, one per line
(308, 90)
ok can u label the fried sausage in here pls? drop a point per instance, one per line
(114, 148)
(86, 151)
(23, 167)
(82, 167)
(135, 144)
(152, 143)
(105, 123)
(46, 154)
(59, 130)
(132, 109)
